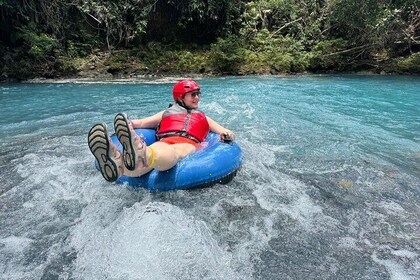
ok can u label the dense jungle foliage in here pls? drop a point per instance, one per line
(56, 38)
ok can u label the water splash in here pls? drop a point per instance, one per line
(152, 241)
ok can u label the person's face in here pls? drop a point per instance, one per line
(191, 99)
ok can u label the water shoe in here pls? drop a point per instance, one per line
(134, 147)
(107, 154)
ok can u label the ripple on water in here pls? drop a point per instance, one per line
(328, 190)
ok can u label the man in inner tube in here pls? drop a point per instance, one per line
(179, 129)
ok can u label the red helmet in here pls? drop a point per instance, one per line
(183, 87)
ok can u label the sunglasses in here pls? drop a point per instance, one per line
(195, 94)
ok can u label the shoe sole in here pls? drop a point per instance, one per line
(100, 147)
(122, 130)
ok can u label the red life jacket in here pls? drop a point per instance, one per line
(179, 121)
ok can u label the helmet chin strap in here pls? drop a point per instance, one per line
(182, 103)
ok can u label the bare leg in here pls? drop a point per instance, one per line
(166, 156)
(139, 171)
(139, 159)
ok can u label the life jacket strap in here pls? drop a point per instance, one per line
(178, 133)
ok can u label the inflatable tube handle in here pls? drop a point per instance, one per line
(226, 139)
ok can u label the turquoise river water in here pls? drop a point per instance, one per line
(329, 187)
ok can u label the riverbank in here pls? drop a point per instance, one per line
(145, 65)
(159, 79)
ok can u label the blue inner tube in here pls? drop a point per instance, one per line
(215, 162)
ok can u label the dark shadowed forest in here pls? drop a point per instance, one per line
(130, 38)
